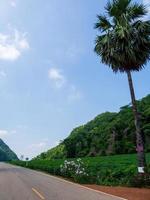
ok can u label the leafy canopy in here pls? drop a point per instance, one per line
(124, 40)
(109, 133)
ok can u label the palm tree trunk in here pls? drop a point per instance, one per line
(139, 134)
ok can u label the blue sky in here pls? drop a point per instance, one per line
(50, 79)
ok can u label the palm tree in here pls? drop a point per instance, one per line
(124, 45)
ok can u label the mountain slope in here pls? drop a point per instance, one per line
(6, 153)
(107, 134)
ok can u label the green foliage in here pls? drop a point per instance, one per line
(3, 156)
(123, 36)
(103, 170)
(55, 153)
(108, 134)
(6, 153)
(140, 180)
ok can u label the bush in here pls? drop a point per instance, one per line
(74, 169)
(140, 180)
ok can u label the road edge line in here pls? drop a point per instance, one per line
(79, 185)
(63, 180)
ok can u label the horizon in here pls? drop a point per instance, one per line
(51, 80)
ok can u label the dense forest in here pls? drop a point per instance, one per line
(108, 134)
(6, 154)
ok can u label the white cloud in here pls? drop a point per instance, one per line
(39, 145)
(23, 44)
(9, 52)
(6, 133)
(74, 94)
(57, 78)
(12, 45)
(13, 3)
(59, 81)
(3, 133)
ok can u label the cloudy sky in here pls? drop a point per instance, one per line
(50, 79)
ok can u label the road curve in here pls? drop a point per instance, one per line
(18, 183)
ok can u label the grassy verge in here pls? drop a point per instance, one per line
(107, 170)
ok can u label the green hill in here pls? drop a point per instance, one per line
(6, 154)
(107, 134)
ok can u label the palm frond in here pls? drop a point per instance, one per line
(142, 27)
(125, 42)
(116, 7)
(136, 11)
(102, 24)
(121, 53)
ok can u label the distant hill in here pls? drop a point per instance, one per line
(108, 134)
(6, 154)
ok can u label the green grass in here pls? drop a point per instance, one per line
(104, 170)
(116, 160)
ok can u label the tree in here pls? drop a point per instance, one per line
(27, 159)
(22, 157)
(124, 45)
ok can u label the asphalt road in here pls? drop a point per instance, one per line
(18, 183)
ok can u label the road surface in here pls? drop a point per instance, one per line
(18, 183)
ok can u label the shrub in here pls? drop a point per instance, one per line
(140, 180)
(74, 169)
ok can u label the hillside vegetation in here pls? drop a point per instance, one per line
(108, 134)
(6, 154)
(103, 170)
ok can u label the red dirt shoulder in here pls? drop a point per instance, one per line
(125, 192)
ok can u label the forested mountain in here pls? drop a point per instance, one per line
(107, 134)
(6, 153)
